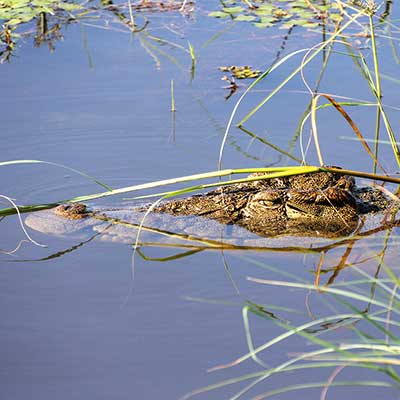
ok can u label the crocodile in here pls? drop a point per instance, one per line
(323, 204)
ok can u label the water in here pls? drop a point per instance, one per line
(75, 322)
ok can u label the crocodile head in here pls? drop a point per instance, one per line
(330, 212)
(322, 204)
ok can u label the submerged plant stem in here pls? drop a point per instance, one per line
(378, 89)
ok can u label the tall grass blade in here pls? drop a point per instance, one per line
(301, 67)
(173, 109)
(377, 85)
(313, 385)
(385, 118)
(314, 129)
(236, 107)
(332, 290)
(358, 133)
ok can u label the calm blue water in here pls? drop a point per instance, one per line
(78, 325)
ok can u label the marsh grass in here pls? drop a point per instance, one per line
(375, 346)
(372, 302)
(338, 36)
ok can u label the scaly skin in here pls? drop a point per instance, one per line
(322, 204)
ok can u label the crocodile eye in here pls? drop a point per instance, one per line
(268, 203)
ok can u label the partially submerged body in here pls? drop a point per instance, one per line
(323, 205)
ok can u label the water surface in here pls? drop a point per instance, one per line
(78, 324)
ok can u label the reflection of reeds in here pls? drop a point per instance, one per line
(373, 305)
(370, 352)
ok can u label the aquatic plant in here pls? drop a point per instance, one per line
(366, 307)
(50, 16)
(287, 13)
(371, 300)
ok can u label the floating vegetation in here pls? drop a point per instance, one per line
(146, 5)
(49, 16)
(21, 12)
(264, 14)
(244, 72)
